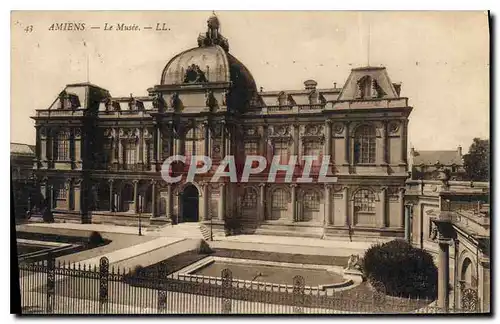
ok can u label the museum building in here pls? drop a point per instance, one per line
(99, 157)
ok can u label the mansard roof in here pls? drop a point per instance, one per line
(379, 80)
(446, 157)
(22, 149)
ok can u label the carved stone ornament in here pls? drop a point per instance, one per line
(393, 127)
(280, 130)
(338, 128)
(194, 74)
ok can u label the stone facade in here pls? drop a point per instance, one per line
(99, 157)
(452, 221)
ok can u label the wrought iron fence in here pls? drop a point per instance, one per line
(49, 287)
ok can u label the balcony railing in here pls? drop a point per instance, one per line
(292, 108)
(60, 112)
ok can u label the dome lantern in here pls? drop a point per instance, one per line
(213, 35)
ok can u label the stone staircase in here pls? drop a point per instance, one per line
(205, 232)
(182, 230)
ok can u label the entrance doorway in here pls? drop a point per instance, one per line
(190, 201)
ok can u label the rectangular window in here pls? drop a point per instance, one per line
(251, 148)
(107, 152)
(314, 149)
(281, 149)
(60, 192)
(130, 153)
(62, 147)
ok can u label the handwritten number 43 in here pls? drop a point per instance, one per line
(28, 29)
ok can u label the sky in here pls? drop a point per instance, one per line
(441, 59)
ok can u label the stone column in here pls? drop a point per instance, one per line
(224, 140)
(136, 195)
(207, 139)
(328, 213)
(222, 202)
(382, 218)
(407, 223)
(120, 152)
(229, 140)
(347, 144)
(77, 199)
(179, 143)
(293, 147)
(385, 159)
(402, 205)
(328, 139)
(51, 195)
(153, 199)
(443, 274)
(262, 196)
(111, 196)
(168, 202)
(403, 141)
(77, 149)
(346, 205)
(293, 189)
(141, 147)
(114, 147)
(154, 158)
(205, 201)
(159, 146)
(43, 144)
(67, 187)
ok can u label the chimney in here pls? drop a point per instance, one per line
(459, 150)
(335, 85)
(310, 84)
(397, 87)
(261, 89)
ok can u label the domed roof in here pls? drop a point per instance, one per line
(211, 60)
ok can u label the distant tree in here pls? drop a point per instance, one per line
(477, 161)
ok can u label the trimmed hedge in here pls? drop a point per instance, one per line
(95, 239)
(401, 270)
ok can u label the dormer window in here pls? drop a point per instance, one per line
(282, 99)
(368, 88)
(314, 98)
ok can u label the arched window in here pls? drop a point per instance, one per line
(193, 144)
(279, 199)
(364, 144)
(249, 200)
(364, 201)
(311, 201)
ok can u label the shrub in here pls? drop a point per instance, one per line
(232, 226)
(95, 239)
(204, 248)
(401, 269)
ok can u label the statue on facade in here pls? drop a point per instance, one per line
(158, 102)
(353, 263)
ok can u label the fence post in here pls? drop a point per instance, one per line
(103, 285)
(51, 282)
(378, 295)
(162, 288)
(227, 285)
(298, 294)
